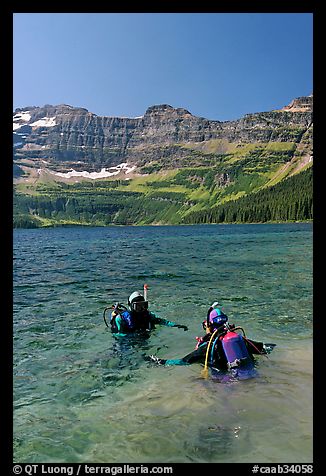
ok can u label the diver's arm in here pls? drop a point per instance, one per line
(166, 322)
(194, 356)
(255, 347)
(119, 326)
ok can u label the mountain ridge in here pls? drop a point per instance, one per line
(167, 165)
(71, 137)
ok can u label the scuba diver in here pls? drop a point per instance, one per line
(137, 319)
(222, 348)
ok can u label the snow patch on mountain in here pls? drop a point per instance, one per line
(22, 116)
(96, 175)
(44, 122)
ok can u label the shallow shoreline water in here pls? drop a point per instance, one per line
(82, 396)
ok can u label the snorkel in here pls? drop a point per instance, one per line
(145, 291)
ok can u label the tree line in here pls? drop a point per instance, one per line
(289, 200)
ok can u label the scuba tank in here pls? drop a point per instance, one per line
(234, 348)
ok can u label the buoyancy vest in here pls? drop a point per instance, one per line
(131, 321)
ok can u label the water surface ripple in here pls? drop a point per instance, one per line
(82, 396)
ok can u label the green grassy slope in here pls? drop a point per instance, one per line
(215, 174)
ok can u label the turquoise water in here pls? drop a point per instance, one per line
(80, 395)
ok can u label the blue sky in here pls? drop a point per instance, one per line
(217, 65)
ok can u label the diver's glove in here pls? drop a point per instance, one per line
(180, 326)
(268, 348)
(157, 360)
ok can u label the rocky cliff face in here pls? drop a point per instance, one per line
(301, 104)
(65, 137)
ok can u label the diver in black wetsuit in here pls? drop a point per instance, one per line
(221, 347)
(137, 319)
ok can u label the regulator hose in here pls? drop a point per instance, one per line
(241, 329)
(207, 352)
(118, 308)
(212, 350)
(104, 317)
(256, 348)
(249, 341)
